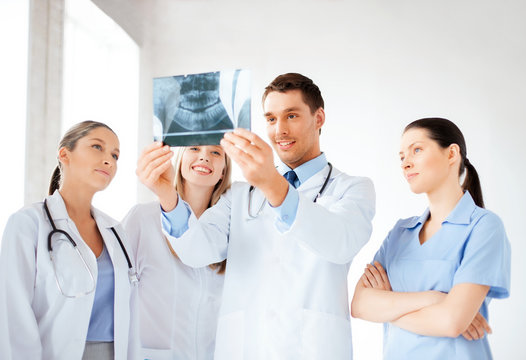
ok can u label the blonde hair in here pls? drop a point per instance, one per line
(222, 185)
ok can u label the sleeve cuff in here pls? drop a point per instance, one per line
(286, 212)
(175, 222)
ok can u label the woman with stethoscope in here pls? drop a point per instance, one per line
(178, 304)
(66, 279)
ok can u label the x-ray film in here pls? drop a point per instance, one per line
(197, 109)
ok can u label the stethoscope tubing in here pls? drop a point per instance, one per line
(59, 231)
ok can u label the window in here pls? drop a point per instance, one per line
(101, 82)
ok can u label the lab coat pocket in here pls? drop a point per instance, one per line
(325, 336)
(230, 336)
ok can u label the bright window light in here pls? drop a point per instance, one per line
(101, 82)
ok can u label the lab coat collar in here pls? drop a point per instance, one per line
(102, 219)
(57, 207)
(461, 214)
(317, 180)
(58, 211)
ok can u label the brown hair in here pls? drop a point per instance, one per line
(445, 133)
(293, 81)
(221, 186)
(69, 141)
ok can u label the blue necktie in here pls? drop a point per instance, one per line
(291, 177)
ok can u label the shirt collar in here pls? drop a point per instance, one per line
(461, 214)
(306, 170)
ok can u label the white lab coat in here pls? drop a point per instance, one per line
(178, 305)
(285, 293)
(41, 323)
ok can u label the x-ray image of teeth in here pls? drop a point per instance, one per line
(197, 109)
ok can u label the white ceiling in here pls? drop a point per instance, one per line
(131, 15)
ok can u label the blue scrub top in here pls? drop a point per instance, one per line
(101, 324)
(470, 247)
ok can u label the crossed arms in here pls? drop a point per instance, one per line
(429, 313)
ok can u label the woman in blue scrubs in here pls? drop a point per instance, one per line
(433, 277)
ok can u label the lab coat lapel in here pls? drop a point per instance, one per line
(315, 182)
(105, 223)
(122, 288)
(59, 214)
(57, 208)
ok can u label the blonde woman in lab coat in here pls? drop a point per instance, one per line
(179, 305)
(77, 304)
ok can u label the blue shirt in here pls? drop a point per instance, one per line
(287, 210)
(175, 222)
(470, 247)
(101, 320)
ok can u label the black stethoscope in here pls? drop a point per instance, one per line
(322, 189)
(134, 278)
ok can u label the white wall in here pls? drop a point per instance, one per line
(380, 65)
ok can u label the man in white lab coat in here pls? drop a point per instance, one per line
(288, 236)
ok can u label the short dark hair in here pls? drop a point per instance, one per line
(293, 81)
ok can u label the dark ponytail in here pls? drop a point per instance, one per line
(472, 184)
(445, 133)
(54, 184)
(69, 141)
